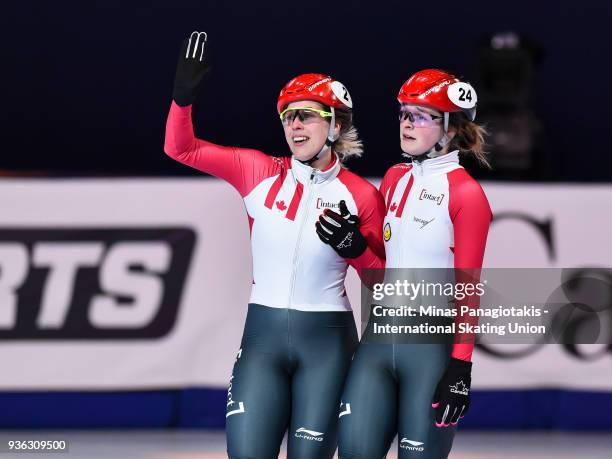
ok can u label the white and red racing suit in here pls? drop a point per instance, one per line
(437, 216)
(283, 197)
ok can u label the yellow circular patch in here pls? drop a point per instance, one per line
(387, 232)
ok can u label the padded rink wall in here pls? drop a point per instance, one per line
(122, 304)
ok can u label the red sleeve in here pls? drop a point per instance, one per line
(243, 168)
(470, 213)
(371, 212)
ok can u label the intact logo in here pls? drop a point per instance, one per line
(459, 388)
(230, 408)
(393, 207)
(306, 434)
(239, 408)
(327, 205)
(387, 232)
(425, 195)
(86, 284)
(412, 445)
(347, 409)
(281, 205)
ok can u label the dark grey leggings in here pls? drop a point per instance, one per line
(288, 374)
(389, 391)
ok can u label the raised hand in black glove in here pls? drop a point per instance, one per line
(452, 397)
(341, 232)
(191, 67)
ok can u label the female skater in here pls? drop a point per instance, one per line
(437, 216)
(299, 335)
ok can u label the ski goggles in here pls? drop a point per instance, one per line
(305, 114)
(418, 118)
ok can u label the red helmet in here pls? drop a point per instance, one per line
(439, 90)
(315, 86)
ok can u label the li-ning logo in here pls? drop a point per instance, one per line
(326, 205)
(459, 388)
(312, 87)
(230, 399)
(431, 197)
(412, 445)
(423, 222)
(306, 434)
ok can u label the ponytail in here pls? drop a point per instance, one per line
(348, 143)
(469, 138)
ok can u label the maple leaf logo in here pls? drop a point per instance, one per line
(459, 388)
(346, 242)
(281, 205)
(393, 207)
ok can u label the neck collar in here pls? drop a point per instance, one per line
(438, 165)
(304, 173)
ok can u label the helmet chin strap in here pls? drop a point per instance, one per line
(438, 146)
(331, 138)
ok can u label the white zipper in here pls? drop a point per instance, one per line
(420, 168)
(299, 238)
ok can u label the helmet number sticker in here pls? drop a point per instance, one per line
(342, 93)
(463, 95)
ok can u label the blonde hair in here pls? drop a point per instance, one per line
(348, 143)
(469, 138)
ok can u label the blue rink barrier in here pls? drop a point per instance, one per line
(205, 408)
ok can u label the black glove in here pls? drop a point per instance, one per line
(341, 233)
(452, 397)
(190, 69)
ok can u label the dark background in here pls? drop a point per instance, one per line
(86, 85)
